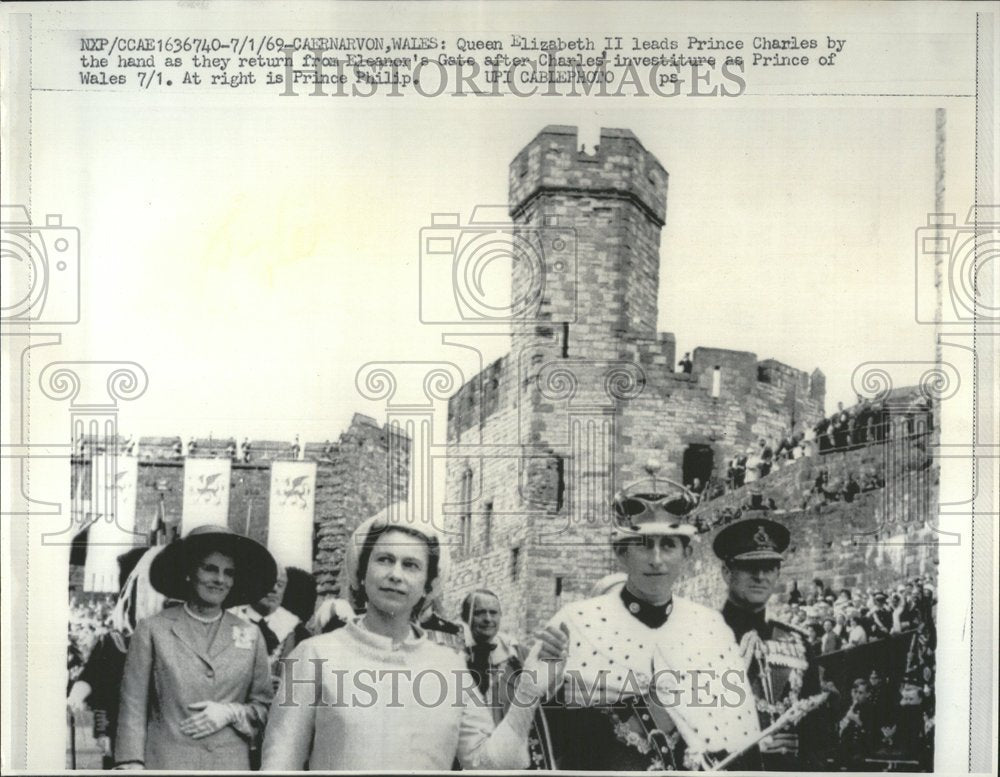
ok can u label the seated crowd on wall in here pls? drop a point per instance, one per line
(866, 423)
(823, 491)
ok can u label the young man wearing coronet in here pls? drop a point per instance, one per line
(652, 681)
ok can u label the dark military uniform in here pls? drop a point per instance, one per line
(778, 658)
(780, 671)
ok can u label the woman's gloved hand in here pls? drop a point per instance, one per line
(212, 716)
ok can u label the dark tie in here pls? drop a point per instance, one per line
(271, 640)
(480, 665)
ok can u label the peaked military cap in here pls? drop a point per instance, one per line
(752, 539)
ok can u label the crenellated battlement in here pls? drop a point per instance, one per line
(619, 167)
(247, 451)
(540, 439)
(782, 388)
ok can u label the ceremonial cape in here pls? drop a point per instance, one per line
(688, 670)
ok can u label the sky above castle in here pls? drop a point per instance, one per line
(253, 253)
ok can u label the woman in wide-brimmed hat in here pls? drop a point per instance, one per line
(197, 685)
(390, 698)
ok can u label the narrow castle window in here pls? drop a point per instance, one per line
(465, 521)
(515, 561)
(560, 482)
(716, 381)
(488, 526)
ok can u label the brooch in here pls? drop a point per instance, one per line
(243, 636)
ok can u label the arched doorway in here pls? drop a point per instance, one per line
(697, 463)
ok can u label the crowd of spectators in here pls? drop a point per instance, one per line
(823, 491)
(88, 620)
(826, 490)
(837, 620)
(886, 713)
(866, 423)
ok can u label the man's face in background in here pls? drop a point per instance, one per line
(484, 618)
(271, 601)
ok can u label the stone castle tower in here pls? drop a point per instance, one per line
(542, 438)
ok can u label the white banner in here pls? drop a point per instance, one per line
(290, 516)
(206, 493)
(113, 481)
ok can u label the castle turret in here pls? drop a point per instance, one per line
(594, 220)
(541, 439)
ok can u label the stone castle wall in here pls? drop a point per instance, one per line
(354, 478)
(483, 494)
(878, 539)
(588, 392)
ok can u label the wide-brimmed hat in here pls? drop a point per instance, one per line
(393, 517)
(256, 569)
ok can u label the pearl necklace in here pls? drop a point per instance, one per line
(199, 618)
(395, 643)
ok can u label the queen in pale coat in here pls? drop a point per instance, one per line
(197, 686)
(377, 694)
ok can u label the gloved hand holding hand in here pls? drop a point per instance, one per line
(104, 745)
(76, 702)
(213, 716)
(545, 664)
(782, 742)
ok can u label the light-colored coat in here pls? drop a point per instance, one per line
(354, 700)
(166, 671)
